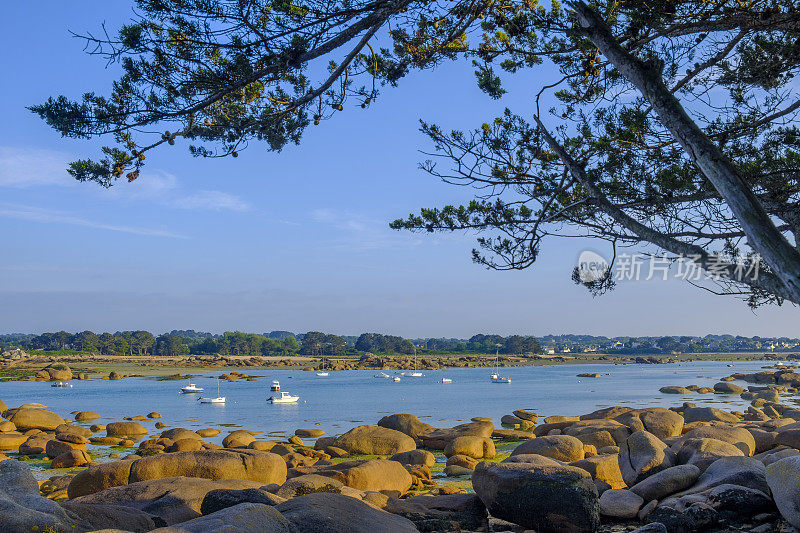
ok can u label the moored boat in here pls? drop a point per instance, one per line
(445, 380)
(276, 386)
(218, 399)
(191, 388)
(283, 397)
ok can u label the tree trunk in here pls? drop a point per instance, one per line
(762, 235)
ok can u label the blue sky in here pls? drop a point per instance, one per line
(297, 240)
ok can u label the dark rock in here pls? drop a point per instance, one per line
(451, 512)
(91, 517)
(174, 500)
(328, 513)
(219, 499)
(739, 502)
(241, 518)
(544, 498)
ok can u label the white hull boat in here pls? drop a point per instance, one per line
(191, 388)
(275, 387)
(322, 374)
(218, 399)
(495, 376)
(61, 385)
(382, 375)
(283, 397)
(416, 373)
(396, 379)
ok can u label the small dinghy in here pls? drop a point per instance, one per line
(283, 397)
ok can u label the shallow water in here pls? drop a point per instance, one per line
(349, 398)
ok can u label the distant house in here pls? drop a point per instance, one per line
(550, 350)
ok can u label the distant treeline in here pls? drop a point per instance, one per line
(278, 343)
(286, 343)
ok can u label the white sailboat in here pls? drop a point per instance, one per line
(283, 397)
(415, 373)
(495, 376)
(218, 399)
(323, 373)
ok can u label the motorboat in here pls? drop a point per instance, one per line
(218, 399)
(445, 380)
(396, 379)
(382, 375)
(276, 386)
(61, 384)
(322, 374)
(283, 397)
(191, 388)
(501, 379)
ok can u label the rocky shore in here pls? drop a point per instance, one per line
(17, 364)
(682, 469)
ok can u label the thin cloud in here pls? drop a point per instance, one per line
(213, 200)
(344, 220)
(46, 216)
(363, 233)
(30, 167)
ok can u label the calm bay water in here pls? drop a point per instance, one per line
(349, 398)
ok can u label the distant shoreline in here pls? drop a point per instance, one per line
(160, 366)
